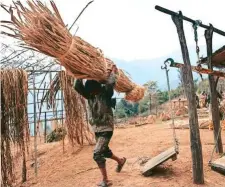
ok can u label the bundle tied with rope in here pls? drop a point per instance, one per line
(49, 35)
(124, 84)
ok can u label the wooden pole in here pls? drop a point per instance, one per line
(150, 103)
(62, 111)
(45, 133)
(213, 93)
(196, 147)
(35, 126)
(24, 168)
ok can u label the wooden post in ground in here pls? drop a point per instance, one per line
(35, 126)
(150, 104)
(45, 132)
(196, 147)
(213, 93)
(24, 167)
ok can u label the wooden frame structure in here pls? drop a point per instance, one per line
(186, 70)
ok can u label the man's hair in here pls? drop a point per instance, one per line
(92, 86)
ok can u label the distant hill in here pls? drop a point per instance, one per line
(142, 71)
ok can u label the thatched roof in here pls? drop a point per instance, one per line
(218, 58)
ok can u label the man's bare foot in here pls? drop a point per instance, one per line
(120, 166)
(105, 183)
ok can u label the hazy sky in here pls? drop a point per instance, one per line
(133, 29)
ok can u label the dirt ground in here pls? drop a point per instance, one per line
(76, 168)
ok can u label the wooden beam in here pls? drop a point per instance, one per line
(196, 146)
(166, 11)
(213, 94)
(199, 70)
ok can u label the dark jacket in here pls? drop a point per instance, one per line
(100, 106)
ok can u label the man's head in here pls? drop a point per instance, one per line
(93, 87)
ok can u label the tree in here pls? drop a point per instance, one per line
(163, 96)
(151, 90)
(126, 109)
(195, 84)
(144, 105)
(151, 87)
(203, 86)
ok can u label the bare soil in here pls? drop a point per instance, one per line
(76, 168)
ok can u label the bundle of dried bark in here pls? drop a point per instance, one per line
(14, 122)
(43, 30)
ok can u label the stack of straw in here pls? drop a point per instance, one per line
(45, 31)
(14, 122)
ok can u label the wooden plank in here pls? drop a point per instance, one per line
(199, 69)
(219, 165)
(159, 159)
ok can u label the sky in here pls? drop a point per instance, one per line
(133, 29)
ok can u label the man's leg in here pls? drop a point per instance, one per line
(108, 154)
(100, 148)
(120, 161)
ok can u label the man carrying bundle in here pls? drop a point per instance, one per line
(101, 119)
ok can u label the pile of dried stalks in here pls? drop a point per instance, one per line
(14, 121)
(49, 35)
(76, 113)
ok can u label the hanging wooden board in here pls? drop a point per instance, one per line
(219, 165)
(159, 159)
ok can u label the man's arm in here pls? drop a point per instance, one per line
(110, 83)
(79, 87)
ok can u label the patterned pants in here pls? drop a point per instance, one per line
(102, 150)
